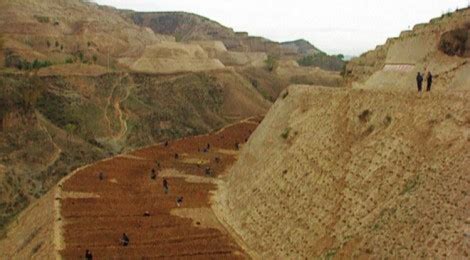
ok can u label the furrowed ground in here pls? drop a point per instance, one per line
(96, 212)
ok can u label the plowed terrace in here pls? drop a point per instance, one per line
(95, 211)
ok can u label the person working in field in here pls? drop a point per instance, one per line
(124, 240)
(153, 174)
(166, 188)
(88, 255)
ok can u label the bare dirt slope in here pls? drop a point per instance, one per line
(31, 236)
(92, 213)
(355, 173)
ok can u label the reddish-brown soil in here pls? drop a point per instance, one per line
(127, 192)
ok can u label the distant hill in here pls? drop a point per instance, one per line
(301, 47)
(191, 27)
(187, 27)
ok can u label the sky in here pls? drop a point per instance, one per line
(349, 27)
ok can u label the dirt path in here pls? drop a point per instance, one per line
(94, 213)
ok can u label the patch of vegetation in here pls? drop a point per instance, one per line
(36, 248)
(285, 94)
(388, 120)
(369, 130)
(410, 185)
(272, 62)
(53, 107)
(454, 43)
(42, 19)
(286, 132)
(331, 253)
(323, 61)
(13, 60)
(365, 116)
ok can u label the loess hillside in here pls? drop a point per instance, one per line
(338, 173)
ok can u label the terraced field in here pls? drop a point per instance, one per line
(96, 211)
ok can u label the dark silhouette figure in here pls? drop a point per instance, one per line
(208, 171)
(419, 82)
(166, 144)
(429, 82)
(165, 186)
(179, 201)
(146, 214)
(124, 240)
(153, 175)
(88, 255)
(101, 176)
(217, 160)
(177, 156)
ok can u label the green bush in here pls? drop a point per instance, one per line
(271, 62)
(323, 61)
(285, 133)
(42, 19)
(13, 60)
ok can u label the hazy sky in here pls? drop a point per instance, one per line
(335, 26)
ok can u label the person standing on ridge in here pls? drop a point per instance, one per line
(419, 82)
(429, 82)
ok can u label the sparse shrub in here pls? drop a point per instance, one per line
(255, 83)
(68, 61)
(285, 133)
(272, 62)
(48, 43)
(410, 185)
(57, 44)
(42, 19)
(80, 56)
(387, 120)
(95, 58)
(285, 94)
(13, 60)
(365, 116)
(322, 60)
(454, 43)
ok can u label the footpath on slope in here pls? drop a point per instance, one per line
(95, 212)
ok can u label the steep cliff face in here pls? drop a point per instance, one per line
(354, 173)
(441, 47)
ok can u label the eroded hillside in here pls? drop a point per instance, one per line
(53, 124)
(355, 173)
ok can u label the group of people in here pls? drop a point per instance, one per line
(420, 79)
(124, 240)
